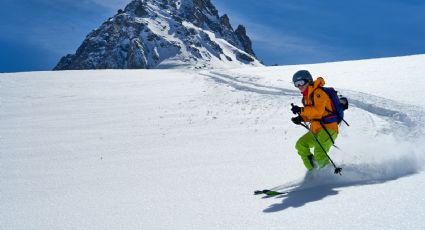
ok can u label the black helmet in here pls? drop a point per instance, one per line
(302, 75)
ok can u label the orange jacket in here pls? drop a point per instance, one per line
(314, 113)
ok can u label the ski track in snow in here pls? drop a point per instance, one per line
(408, 115)
(404, 121)
(403, 115)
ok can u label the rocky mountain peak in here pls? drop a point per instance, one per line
(163, 34)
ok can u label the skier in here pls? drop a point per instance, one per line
(316, 105)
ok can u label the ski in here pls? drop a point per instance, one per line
(269, 192)
(296, 186)
(283, 191)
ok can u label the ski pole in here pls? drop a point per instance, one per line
(337, 169)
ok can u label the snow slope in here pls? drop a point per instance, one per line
(181, 149)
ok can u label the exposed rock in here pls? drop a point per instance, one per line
(244, 39)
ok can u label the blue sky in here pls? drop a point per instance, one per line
(36, 33)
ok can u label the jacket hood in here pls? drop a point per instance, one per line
(319, 82)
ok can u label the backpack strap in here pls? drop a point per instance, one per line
(345, 121)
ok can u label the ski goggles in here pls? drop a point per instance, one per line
(300, 83)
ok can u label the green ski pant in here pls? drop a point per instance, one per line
(308, 141)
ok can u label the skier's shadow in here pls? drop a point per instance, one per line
(306, 192)
(297, 199)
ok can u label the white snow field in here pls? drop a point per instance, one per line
(185, 149)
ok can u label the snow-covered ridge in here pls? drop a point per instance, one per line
(185, 149)
(164, 34)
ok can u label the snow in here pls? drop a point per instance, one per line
(185, 149)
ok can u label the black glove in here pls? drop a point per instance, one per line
(297, 120)
(296, 109)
